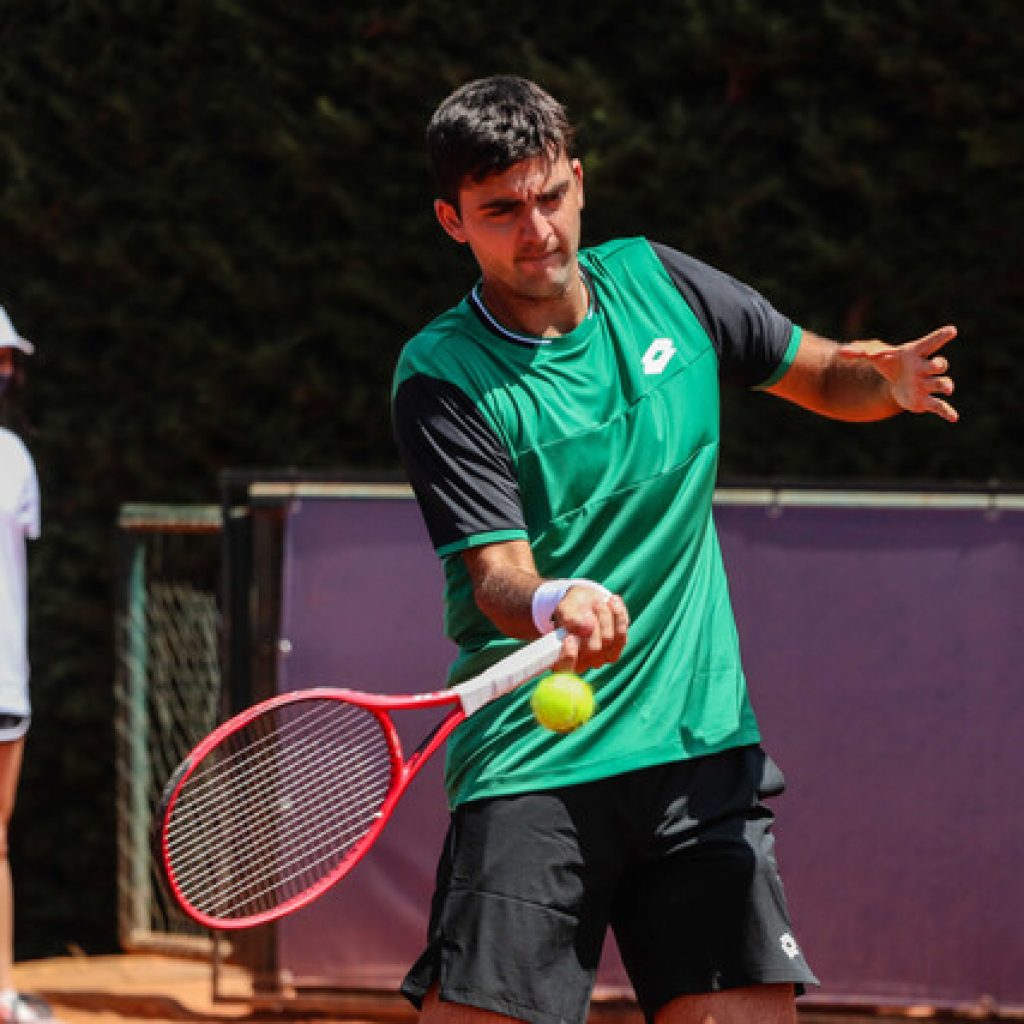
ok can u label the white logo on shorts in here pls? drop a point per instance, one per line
(657, 356)
(789, 946)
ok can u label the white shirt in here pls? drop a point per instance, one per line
(19, 520)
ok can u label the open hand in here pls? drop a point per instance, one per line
(918, 378)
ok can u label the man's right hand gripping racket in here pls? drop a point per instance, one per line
(280, 802)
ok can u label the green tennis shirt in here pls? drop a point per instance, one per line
(600, 448)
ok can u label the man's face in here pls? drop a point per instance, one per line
(6, 361)
(523, 225)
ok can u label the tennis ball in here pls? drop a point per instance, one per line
(562, 702)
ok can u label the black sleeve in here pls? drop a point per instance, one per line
(461, 473)
(750, 336)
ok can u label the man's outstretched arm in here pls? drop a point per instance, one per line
(870, 380)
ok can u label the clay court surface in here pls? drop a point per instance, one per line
(142, 987)
(127, 988)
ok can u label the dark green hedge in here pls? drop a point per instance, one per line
(215, 221)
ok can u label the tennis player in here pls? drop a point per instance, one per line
(560, 427)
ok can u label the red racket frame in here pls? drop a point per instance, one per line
(403, 771)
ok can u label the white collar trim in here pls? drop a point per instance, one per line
(476, 298)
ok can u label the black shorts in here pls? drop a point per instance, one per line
(677, 859)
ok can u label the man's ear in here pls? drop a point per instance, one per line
(577, 173)
(448, 217)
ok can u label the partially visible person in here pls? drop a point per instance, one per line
(19, 522)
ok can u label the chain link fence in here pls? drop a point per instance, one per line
(168, 695)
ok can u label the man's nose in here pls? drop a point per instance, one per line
(533, 225)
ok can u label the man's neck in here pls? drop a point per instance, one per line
(548, 317)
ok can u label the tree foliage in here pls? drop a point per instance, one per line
(215, 222)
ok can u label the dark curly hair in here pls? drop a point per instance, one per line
(487, 125)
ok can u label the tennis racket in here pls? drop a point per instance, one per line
(280, 802)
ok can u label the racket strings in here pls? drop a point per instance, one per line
(247, 765)
(300, 870)
(323, 834)
(247, 744)
(266, 829)
(278, 807)
(299, 852)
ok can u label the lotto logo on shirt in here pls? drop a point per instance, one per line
(657, 356)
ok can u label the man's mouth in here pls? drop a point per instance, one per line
(539, 258)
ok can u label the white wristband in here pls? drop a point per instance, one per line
(548, 596)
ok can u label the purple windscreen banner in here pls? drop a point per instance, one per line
(883, 648)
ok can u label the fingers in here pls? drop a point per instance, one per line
(924, 391)
(926, 386)
(932, 342)
(605, 643)
(570, 653)
(943, 409)
(936, 405)
(597, 628)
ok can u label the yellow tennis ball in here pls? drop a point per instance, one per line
(562, 702)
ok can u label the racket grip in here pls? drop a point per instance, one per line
(510, 672)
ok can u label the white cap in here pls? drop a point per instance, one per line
(10, 338)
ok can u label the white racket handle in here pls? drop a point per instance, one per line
(510, 672)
